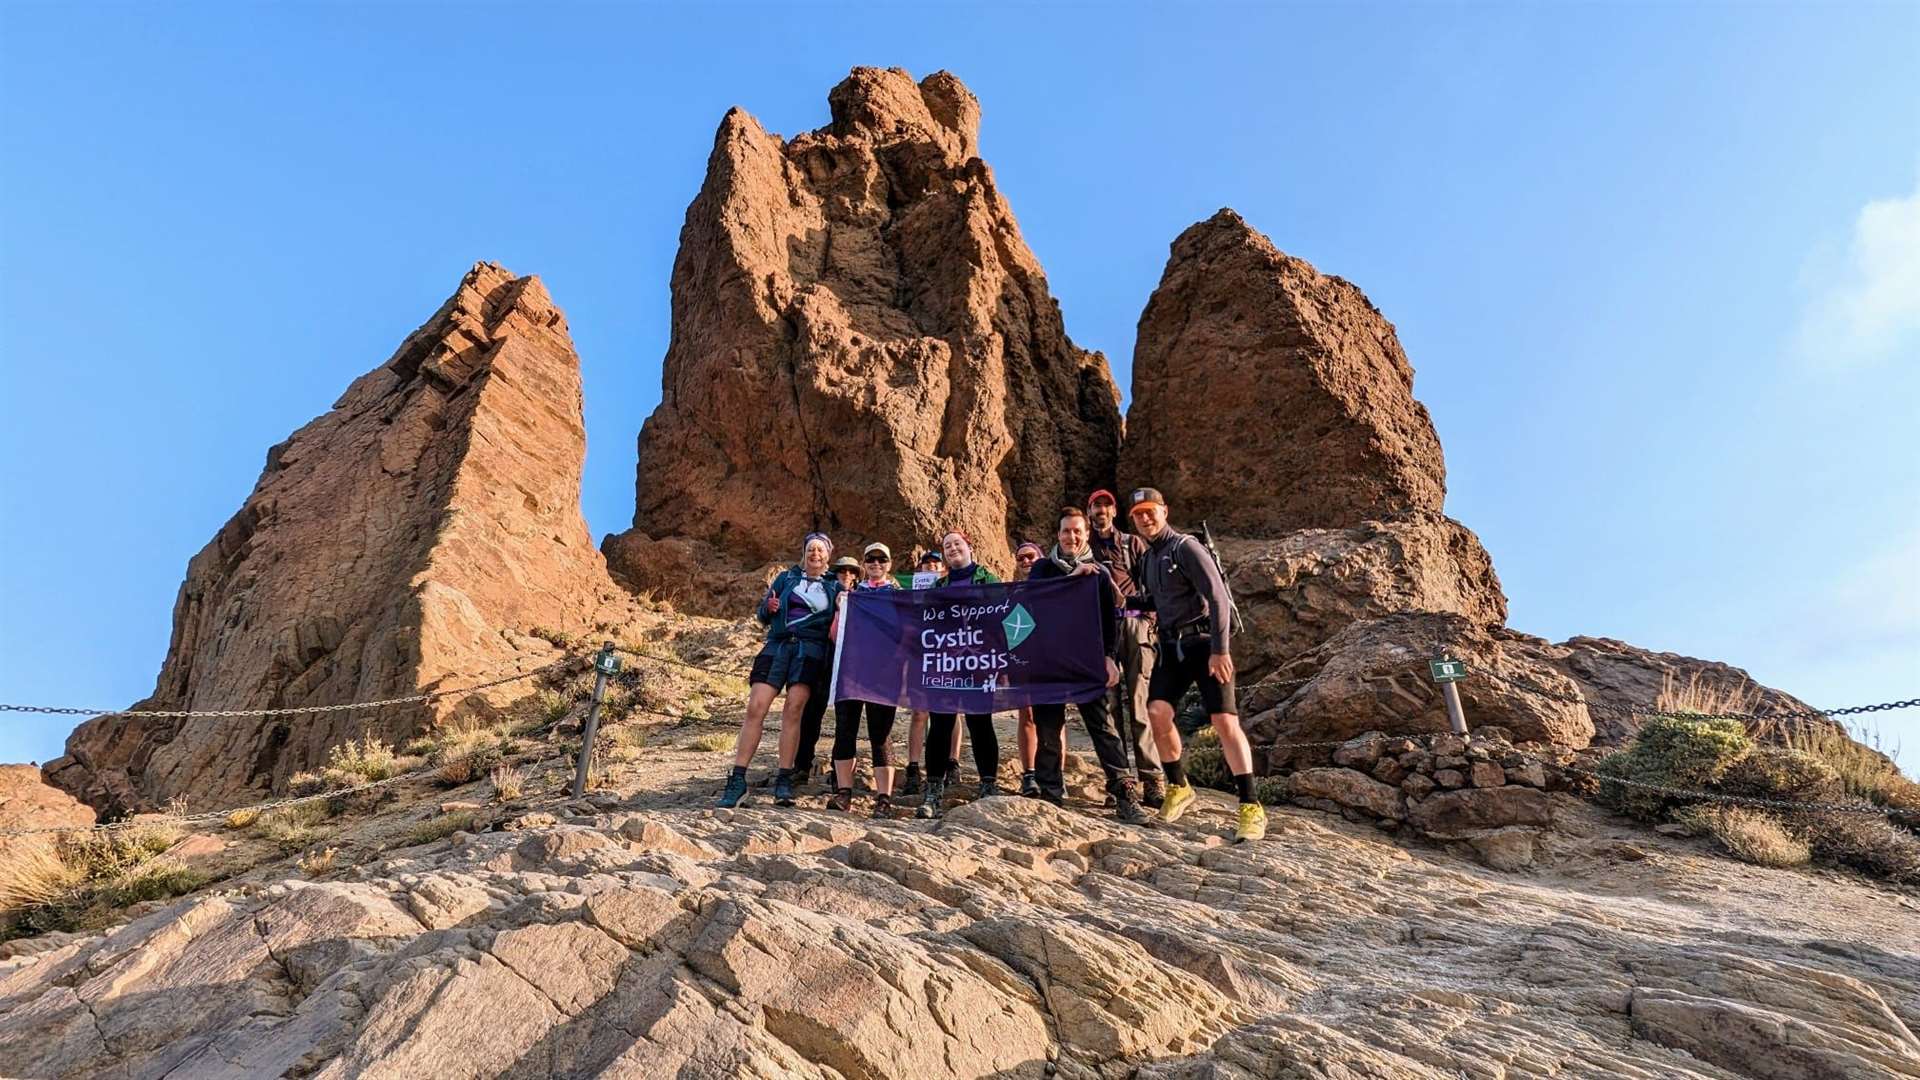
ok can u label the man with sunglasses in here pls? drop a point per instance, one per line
(1182, 586)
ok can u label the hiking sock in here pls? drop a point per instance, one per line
(739, 771)
(1176, 772)
(784, 774)
(1243, 784)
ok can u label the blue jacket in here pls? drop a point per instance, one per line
(795, 617)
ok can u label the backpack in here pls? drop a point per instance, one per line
(1235, 622)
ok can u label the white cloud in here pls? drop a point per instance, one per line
(1866, 303)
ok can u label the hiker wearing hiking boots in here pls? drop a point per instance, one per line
(1024, 558)
(1181, 585)
(1069, 557)
(798, 609)
(1120, 554)
(961, 570)
(877, 561)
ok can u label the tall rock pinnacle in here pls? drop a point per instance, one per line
(1268, 397)
(863, 343)
(383, 550)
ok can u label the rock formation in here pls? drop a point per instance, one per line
(1373, 676)
(384, 550)
(1268, 397)
(28, 802)
(863, 343)
(1298, 591)
(1611, 672)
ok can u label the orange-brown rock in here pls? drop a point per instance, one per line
(384, 550)
(863, 343)
(1268, 397)
(1301, 589)
(1612, 672)
(28, 802)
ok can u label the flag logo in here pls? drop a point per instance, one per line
(1018, 625)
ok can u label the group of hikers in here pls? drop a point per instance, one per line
(1165, 628)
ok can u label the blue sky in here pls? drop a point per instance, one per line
(1657, 266)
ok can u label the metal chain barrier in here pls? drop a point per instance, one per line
(1652, 710)
(1746, 800)
(294, 711)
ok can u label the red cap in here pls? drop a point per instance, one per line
(1103, 493)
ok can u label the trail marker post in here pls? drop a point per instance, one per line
(1446, 672)
(605, 663)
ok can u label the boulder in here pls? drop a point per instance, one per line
(386, 546)
(1374, 676)
(863, 343)
(1297, 591)
(1349, 789)
(1322, 430)
(1506, 849)
(1614, 673)
(28, 802)
(692, 575)
(1454, 814)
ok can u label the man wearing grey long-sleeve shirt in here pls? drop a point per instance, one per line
(1181, 584)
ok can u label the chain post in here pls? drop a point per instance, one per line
(1456, 716)
(605, 663)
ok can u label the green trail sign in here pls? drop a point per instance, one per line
(1448, 670)
(607, 663)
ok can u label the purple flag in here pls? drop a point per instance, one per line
(973, 648)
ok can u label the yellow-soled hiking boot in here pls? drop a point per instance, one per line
(1179, 797)
(1253, 823)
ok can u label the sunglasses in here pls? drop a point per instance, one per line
(878, 558)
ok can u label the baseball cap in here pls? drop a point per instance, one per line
(932, 556)
(879, 547)
(1102, 495)
(1145, 497)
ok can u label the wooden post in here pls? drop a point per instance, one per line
(1456, 716)
(604, 664)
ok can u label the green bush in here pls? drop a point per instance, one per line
(1207, 767)
(1770, 773)
(1675, 752)
(1271, 790)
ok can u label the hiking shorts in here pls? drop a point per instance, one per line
(789, 663)
(1176, 669)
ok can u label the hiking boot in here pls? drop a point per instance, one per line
(930, 804)
(1126, 805)
(736, 790)
(1179, 797)
(911, 785)
(1253, 823)
(783, 789)
(883, 806)
(1153, 792)
(1029, 787)
(842, 800)
(988, 789)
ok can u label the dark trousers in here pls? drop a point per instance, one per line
(986, 744)
(1048, 720)
(846, 729)
(810, 718)
(1127, 702)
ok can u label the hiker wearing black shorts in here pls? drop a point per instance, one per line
(877, 562)
(798, 610)
(961, 570)
(1071, 556)
(1181, 584)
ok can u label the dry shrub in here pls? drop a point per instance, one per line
(315, 863)
(359, 761)
(1864, 771)
(713, 743)
(1705, 697)
(242, 818)
(80, 880)
(625, 742)
(1871, 845)
(295, 826)
(508, 783)
(306, 783)
(439, 828)
(1752, 836)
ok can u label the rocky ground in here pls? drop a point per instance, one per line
(642, 933)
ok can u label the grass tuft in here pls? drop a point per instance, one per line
(1752, 836)
(508, 783)
(713, 743)
(439, 828)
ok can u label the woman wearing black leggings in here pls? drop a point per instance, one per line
(876, 564)
(961, 570)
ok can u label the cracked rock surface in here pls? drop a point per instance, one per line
(661, 938)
